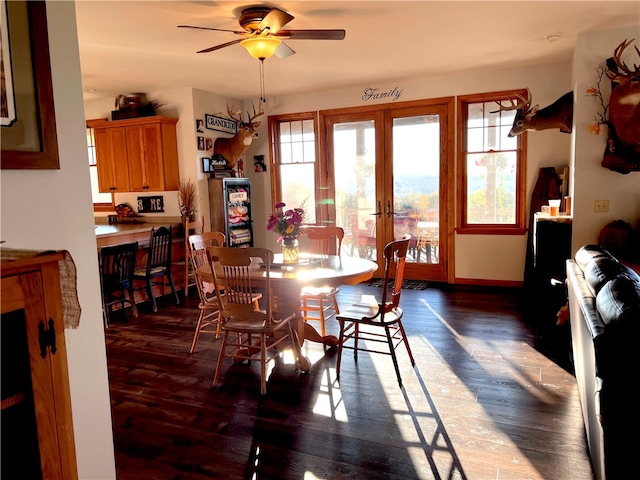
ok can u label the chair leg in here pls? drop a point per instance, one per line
(187, 269)
(335, 304)
(392, 350)
(356, 340)
(340, 342)
(132, 301)
(173, 288)
(154, 305)
(223, 346)
(196, 335)
(263, 364)
(301, 363)
(406, 344)
(105, 313)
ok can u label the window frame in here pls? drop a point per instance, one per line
(91, 148)
(320, 167)
(462, 226)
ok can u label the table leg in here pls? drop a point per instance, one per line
(313, 335)
(286, 303)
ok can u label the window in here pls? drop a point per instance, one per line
(91, 145)
(491, 167)
(294, 157)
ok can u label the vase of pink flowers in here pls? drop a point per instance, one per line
(286, 223)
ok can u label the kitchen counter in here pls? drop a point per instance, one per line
(118, 233)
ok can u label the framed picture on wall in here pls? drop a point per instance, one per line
(28, 134)
(206, 165)
(209, 145)
(200, 143)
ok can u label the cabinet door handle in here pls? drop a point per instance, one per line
(47, 338)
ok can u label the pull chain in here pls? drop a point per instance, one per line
(262, 96)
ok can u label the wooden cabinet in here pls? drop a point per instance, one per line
(111, 159)
(137, 154)
(36, 422)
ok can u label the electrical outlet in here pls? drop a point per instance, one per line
(601, 206)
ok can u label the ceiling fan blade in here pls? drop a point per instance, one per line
(284, 51)
(312, 34)
(218, 47)
(275, 20)
(214, 29)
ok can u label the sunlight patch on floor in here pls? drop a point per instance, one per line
(329, 402)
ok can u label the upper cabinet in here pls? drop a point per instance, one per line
(111, 159)
(137, 154)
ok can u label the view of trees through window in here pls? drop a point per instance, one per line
(492, 163)
(296, 163)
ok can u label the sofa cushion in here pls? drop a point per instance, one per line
(618, 301)
(600, 270)
(588, 252)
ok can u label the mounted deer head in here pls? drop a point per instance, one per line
(624, 103)
(557, 115)
(232, 148)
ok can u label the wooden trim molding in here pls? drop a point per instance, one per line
(44, 154)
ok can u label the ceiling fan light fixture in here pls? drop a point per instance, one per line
(261, 47)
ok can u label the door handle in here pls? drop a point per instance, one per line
(389, 211)
(379, 212)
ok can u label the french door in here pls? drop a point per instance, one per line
(391, 177)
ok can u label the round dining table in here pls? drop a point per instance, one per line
(287, 280)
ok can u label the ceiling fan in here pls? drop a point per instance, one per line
(262, 33)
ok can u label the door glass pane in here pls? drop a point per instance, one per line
(416, 185)
(354, 161)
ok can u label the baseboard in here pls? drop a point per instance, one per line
(488, 283)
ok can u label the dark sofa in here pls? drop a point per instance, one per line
(604, 309)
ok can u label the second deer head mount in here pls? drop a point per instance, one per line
(232, 148)
(557, 115)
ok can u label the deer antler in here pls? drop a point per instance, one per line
(235, 114)
(255, 114)
(617, 54)
(523, 103)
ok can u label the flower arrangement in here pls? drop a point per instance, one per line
(187, 198)
(285, 223)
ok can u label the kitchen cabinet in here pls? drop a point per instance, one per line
(137, 154)
(36, 422)
(111, 160)
(230, 210)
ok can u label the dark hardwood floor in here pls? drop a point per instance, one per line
(491, 396)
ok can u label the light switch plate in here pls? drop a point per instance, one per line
(601, 206)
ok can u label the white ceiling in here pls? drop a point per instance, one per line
(136, 47)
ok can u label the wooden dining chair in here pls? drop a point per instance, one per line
(210, 304)
(249, 334)
(117, 263)
(190, 228)
(368, 321)
(157, 270)
(318, 304)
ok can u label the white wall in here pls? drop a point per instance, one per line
(477, 257)
(592, 181)
(483, 257)
(51, 209)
